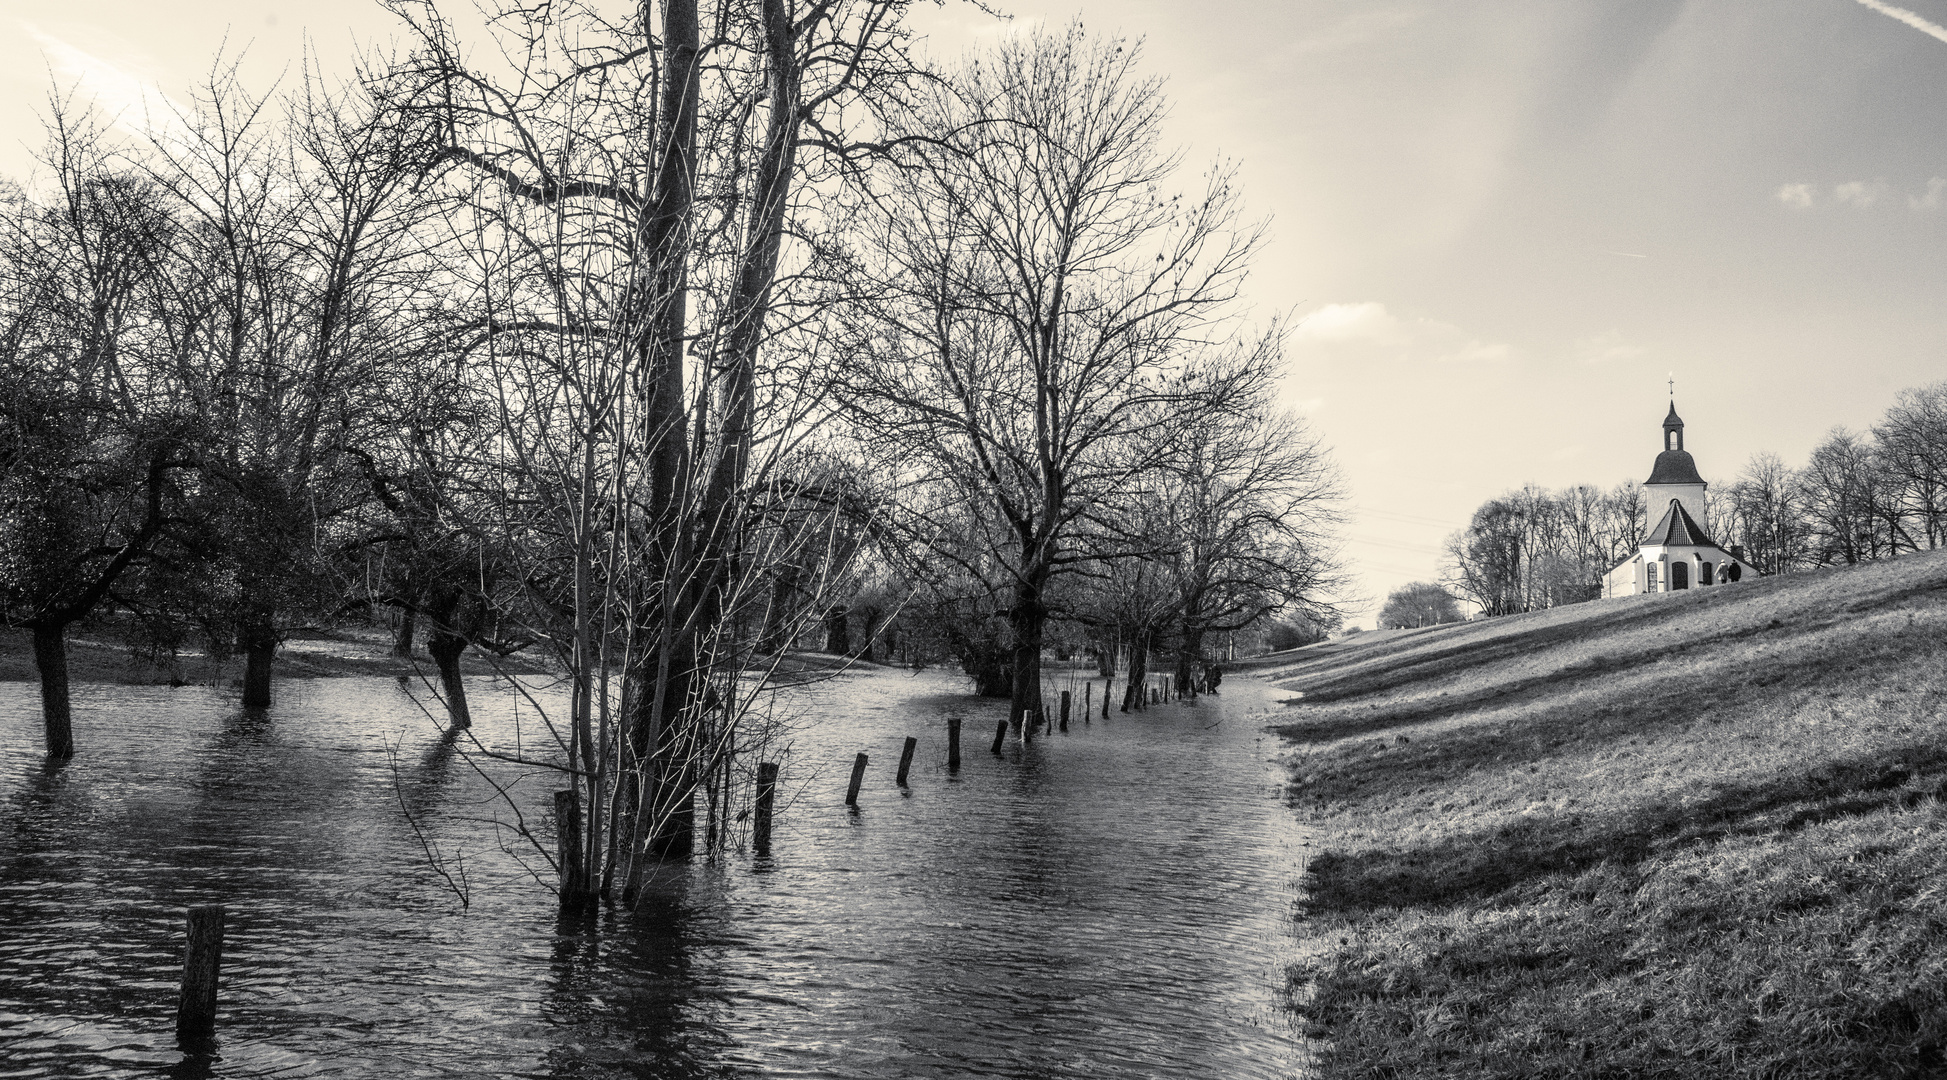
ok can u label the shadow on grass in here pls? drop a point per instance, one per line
(1484, 864)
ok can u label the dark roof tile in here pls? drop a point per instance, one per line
(1677, 527)
(1674, 467)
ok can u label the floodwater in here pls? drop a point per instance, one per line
(1116, 900)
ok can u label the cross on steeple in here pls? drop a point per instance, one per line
(1673, 386)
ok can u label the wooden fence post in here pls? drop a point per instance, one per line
(1064, 710)
(760, 835)
(202, 959)
(906, 760)
(858, 776)
(953, 744)
(1000, 735)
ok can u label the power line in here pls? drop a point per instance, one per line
(1429, 548)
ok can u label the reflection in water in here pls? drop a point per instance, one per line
(1116, 899)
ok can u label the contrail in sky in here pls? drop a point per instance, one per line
(1929, 28)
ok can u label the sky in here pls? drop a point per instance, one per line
(1500, 228)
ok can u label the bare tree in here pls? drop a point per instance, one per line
(622, 194)
(1762, 515)
(1043, 311)
(90, 445)
(1253, 500)
(1420, 603)
(1845, 501)
(1484, 560)
(1912, 440)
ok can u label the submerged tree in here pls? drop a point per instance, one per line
(92, 436)
(1253, 502)
(1043, 313)
(622, 193)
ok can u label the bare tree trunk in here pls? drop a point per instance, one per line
(777, 621)
(259, 649)
(446, 645)
(718, 522)
(1134, 693)
(408, 622)
(446, 650)
(838, 631)
(660, 682)
(51, 659)
(1189, 657)
(1029, 620)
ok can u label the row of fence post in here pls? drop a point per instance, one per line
(203, 955)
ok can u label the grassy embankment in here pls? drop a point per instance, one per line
(1696, 835)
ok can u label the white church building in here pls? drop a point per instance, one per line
(1677, 552)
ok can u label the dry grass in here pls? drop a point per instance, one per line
(1690, 835)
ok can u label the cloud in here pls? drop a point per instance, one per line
(1936, 194)
(1368, 321)
(1369, 324)
(1860, 194)
(1606, 347)
(1934, 30)
(1796, 196)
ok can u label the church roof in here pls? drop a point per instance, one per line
(1677, 527)
(1674, 467)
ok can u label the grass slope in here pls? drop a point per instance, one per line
(1687, 835)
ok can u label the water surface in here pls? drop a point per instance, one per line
(1116, 900)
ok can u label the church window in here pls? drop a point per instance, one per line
(1679, 575)
(1652, 577)
(1703, 573)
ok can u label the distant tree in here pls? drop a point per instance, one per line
(1760, 514)
(1295, 631)
(1421, 603)
(1844, 500)
(1535, 548)
(1912, 439)
(1484, 560)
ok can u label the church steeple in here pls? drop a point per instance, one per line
(1673, 426)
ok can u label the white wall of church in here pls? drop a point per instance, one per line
(1625, 580)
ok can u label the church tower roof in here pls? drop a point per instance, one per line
(1673, 465)
(1678, 527)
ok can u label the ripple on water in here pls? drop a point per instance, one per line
(1115, 900)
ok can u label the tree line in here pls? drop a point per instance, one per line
(650, 347)
(1860, 496)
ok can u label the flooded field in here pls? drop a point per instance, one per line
(1112, 901)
